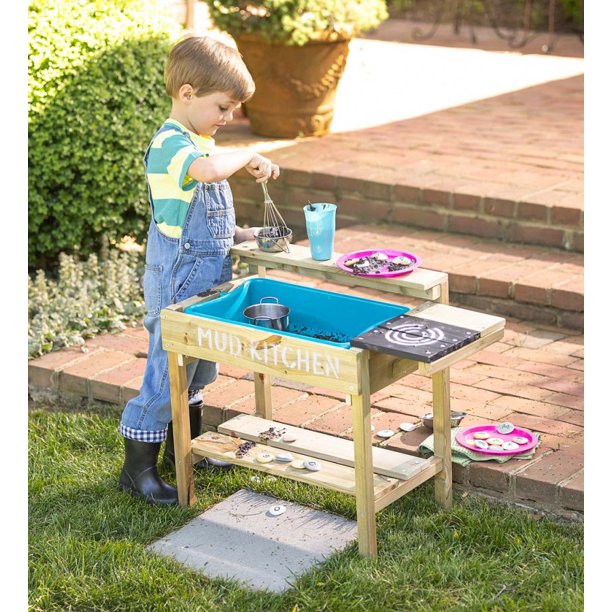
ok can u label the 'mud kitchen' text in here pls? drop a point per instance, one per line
(306, 360)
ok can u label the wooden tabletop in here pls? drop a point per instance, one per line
(421, 283)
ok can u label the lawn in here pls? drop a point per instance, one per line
(87, 541)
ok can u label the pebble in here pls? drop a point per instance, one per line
(298, 463)
(505, 428)
(407, 426)
(312, 465)
(284, 457)
(509, 445)
(385, 433)
(288, 438)
(265, 457)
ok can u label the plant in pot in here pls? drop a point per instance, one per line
(296, 51)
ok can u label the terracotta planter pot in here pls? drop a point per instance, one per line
(295, 86)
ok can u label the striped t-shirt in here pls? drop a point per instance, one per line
(171, 153)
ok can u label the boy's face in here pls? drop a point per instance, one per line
(206, 114)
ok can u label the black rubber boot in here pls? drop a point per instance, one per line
(139, 475)
(195, 427)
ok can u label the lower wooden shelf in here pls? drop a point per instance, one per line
(331, 476)
(335, 455)
(324, 446)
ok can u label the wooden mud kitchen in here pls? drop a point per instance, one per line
(353, 345)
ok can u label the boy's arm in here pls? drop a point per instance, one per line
(222, 165)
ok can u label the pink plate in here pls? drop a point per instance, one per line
(384, 271)
(468, 434)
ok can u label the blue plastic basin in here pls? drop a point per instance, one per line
(321, 316)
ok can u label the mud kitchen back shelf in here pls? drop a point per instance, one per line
(332, 343)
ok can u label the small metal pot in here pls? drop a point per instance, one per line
(268, 314)
(456, 418)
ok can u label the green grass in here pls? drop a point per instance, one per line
(87, 541)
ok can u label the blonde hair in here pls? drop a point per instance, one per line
(208, 66)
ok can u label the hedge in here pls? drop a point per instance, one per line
(96, 97)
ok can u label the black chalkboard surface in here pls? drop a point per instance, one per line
(415, 338)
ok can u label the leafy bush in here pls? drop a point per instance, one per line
(101, 294)
(84, 298)
(96, 96)
(295, 22)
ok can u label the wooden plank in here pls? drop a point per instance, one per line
(386, 369)
(261, 350)
(421, 283)
(442, 437)
(365, 496)
(331, 476)
(434, 465)
(460, 317)
(324, 446)
(182, 431)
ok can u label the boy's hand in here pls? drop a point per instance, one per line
(262, 168)
(247, 233)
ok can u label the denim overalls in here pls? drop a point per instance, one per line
(175, 269)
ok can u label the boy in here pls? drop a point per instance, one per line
(192, 229)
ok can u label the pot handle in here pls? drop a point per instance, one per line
(270, 297)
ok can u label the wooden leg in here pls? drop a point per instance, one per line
(442, 437)
(444, 297)
(182, 431)
(263, 396)
(364, 474)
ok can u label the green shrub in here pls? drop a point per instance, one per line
(295, 22)
(85, 298)
(96, 97)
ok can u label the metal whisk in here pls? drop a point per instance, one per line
(274, 228)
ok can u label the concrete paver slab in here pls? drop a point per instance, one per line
(240, 539)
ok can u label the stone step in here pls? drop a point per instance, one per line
(507, 167)
(475, 210)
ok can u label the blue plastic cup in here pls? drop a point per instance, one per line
(321, 227)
